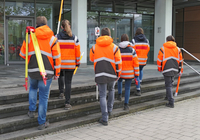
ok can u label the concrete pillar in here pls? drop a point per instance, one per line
(79, 25)
(163, 23)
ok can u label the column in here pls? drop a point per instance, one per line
(163, 24)
(79, 25)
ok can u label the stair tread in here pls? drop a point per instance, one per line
(8, 93)
(75, 107)
(30, 132)
(55, 99)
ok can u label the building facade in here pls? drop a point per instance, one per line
(156, 17)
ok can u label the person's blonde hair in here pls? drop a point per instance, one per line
(41, 20)
(66, 26)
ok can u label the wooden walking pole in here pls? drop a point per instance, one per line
(61, 5)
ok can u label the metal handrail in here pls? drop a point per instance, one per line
(193, 57)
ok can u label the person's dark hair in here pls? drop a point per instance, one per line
(105, 31)
(139, 31)
(66, 26)
(170, 38)
(124, 37)
(41, 20)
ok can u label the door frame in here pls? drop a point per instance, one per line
(6, 53)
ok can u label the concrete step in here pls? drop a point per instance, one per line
(15, 95)
(15, 123)
(14, 109)
(91, 118)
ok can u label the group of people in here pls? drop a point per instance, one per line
(114, 64)
(61, 55)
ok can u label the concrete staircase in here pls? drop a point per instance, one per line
(15, 124)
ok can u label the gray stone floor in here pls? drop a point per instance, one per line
(161, 123)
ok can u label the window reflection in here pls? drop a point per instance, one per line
(147, 23)
(19, 8)
(45, 10)
(2, 48)
(92, 22)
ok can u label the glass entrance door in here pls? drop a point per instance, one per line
(118, 26)
(15, 34)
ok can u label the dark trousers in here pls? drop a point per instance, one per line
(168, 85)
(65, 78)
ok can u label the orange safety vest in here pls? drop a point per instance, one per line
(50, 51)
(107, 60)
(142, 50)
(70, 52)
(130, 64)
(170, 59)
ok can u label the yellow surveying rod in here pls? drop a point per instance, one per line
(61, 5)
(77, 66)
(38, 54)
(26, 63)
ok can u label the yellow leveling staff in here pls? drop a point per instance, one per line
(61, 5)
(26, 62)
(38, 54)
(77, 66)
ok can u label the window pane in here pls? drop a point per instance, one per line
(19, 8)
(127, 7)
(92, 22)
(101, 5)
(1, 32)
(45, 10)
(147, 23)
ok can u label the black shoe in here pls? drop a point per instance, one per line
(119, 97)
(31, 114)
(61, 96)
(43, 126)
(138, 93)
(126, 107)
(109, 114)
(169, 105)
(165, 98)
(103, 122)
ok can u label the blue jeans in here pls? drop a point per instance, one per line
(141, 72)
(127, 88)
(43, 97)
(106, 106)
(139, 78)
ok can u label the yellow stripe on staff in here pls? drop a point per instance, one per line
(38, 56)
(61, 5)
(26, 67)
(77, 66)
(26, 63)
